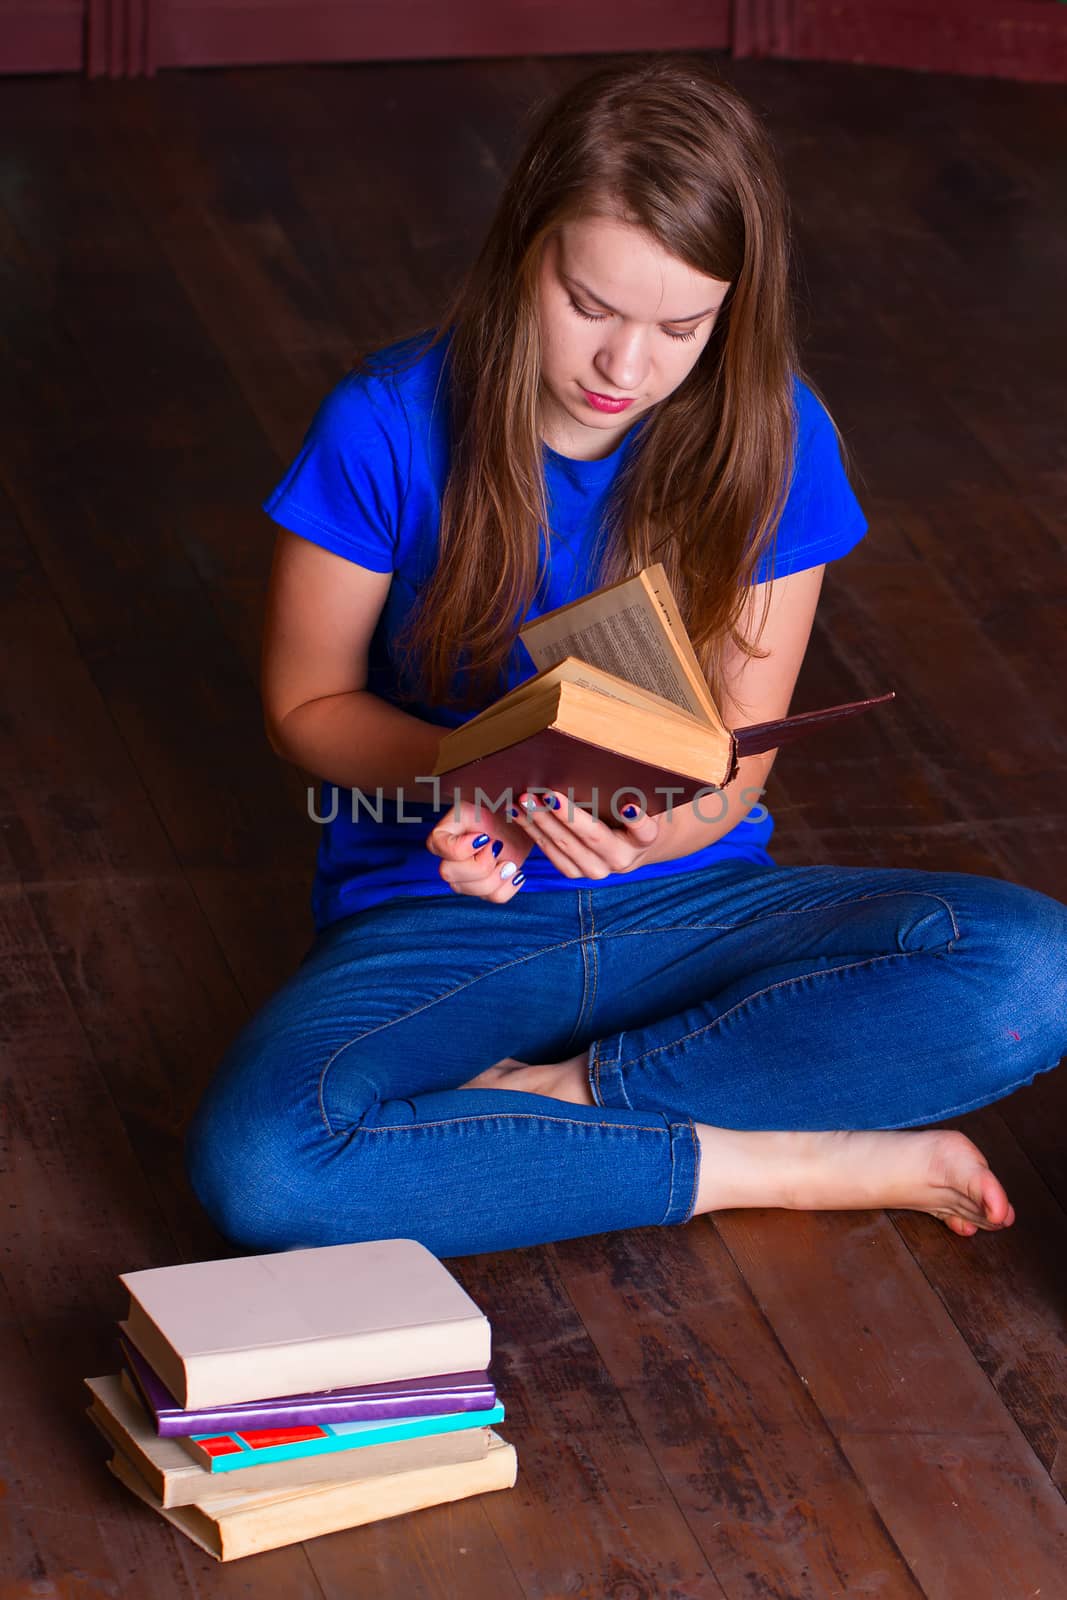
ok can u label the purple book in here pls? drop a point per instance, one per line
(409, 1397)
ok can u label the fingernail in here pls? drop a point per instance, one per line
(498, 845)
(482, 839)
(518, 880)
(553, 801)
(629, 811)
(509, 869)
(514, 813)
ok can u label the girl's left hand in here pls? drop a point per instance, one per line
(577, 843)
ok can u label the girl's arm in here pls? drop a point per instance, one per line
(322, 610)
(758, 691)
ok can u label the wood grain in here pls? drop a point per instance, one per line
(778, 1405)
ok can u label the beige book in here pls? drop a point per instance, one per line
(218, 1332)
(177, 1479)
(240, 1525)
(617, 726)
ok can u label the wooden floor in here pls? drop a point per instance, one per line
(769, 1406)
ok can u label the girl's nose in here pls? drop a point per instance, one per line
(623, 362)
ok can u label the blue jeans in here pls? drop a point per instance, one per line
(740, 995)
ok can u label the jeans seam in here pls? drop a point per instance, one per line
(783, 983)
(696, 1171)
(415, 1010)
(496, 1116)
(590, 968)
(593, 954)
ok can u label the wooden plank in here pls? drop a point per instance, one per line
(77, 1211)
(591, 1514)
(73, 805)
(757, 1472)
(161, 656)
(124, 907)
(911, 1411)
(1005, 1296)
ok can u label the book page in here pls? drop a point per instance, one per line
(629, 629)
(573, 670)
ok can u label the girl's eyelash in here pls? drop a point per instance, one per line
(591, 316)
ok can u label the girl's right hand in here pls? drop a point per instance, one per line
(489, 870)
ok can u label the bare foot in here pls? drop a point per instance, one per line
(939, 1171)
(559, 1080)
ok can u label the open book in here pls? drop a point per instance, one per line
(618, 713)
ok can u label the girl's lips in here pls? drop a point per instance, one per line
(601, 402)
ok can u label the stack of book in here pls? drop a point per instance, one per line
(268, 1399)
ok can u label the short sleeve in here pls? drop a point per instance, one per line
(345, 490)
(822, 519)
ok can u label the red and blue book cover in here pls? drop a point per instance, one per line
(230, 1451)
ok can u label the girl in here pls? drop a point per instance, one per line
(515, 1028)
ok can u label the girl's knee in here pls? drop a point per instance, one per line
(250, 1154)
(1020, 949)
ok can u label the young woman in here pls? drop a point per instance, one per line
(514, 1029)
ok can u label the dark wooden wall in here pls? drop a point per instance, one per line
(127, 38)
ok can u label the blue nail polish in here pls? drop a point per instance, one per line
(514, 813)
(498, 845)
(553, 801)
(482, 839)
(518, 880)
(629, 811)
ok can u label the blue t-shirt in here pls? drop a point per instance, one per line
(367, 485)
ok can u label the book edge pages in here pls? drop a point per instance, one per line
(179, 1479)
(726, 757)
(498, 1469)
(570, 670)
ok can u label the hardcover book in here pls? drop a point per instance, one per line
(240, 1524)
(338, 1316)
(411, 1397)
(176, 1479)
(618, 708)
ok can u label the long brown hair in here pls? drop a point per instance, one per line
(664, 144)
